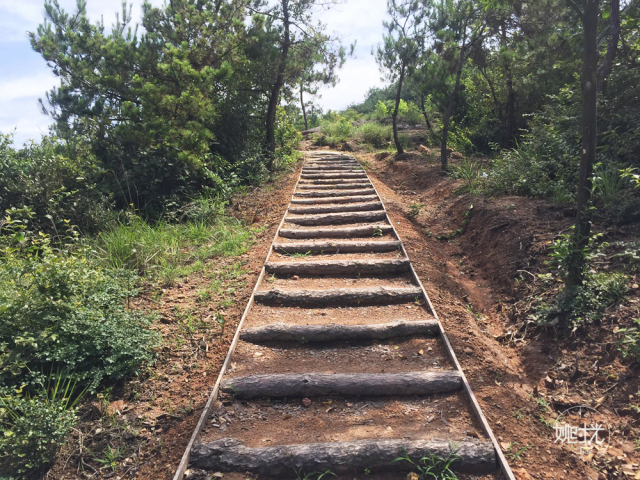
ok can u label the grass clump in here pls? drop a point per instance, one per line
(167, 251)
(433, 467)
(338, 131)
(376, 135)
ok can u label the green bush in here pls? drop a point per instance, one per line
(337, 131)
(376, 135)
(54, 182)
(59, 308)
(287, 138)
(35, 426)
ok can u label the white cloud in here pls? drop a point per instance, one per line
(27, 87)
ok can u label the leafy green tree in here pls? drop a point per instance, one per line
(299, 45)
(589, 79)
(400, 50)
(458, 26)
(147, 103)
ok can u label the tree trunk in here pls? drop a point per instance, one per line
(582, 232)
(337, 247)
(395, 113)
(338, 267)
(510, 108)
(449, 111)
(304, 111)
(424, 113)
(612, 46)
(339, 218)
(274, 99)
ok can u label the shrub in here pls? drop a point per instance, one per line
(35, 427)
(629, 344)
(377, 135)
(381, 110)
(287, 138)
(58, 308)
(55, 184)
(337, 131)
(469, 172)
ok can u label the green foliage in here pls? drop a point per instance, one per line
(381, 110)
(547, 159)
(59, 308)
(607, 183)
(337, 131)
(160, 249)
(35, 426)
(57, 182)
(376, 135)
(469, 172)
(629, 344)
(414, 210)
(585, 303)
(287, 137)
(432, 466)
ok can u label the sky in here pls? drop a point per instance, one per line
(25, 76)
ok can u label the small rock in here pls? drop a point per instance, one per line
(413, 476)
(295, 277)
(306, 402)
(468, 350)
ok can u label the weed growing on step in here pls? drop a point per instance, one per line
(300, 475)
(377, 231)
(432, 466)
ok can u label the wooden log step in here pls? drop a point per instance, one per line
(285, 461)
(332, 170)
(333, 181)
(318, 176)
(337, 186)
(340, 296)
(337, 247)
(347, 232)
(325, 200)
(283, 332)
(348, 384)
(347, 207)
(334, 193)
(339, 267)
(337, 218)
(338, 167)
(335, 166)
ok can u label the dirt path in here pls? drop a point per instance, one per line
(329, 372)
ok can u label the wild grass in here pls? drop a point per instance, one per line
(168, 251)
(376, 134)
